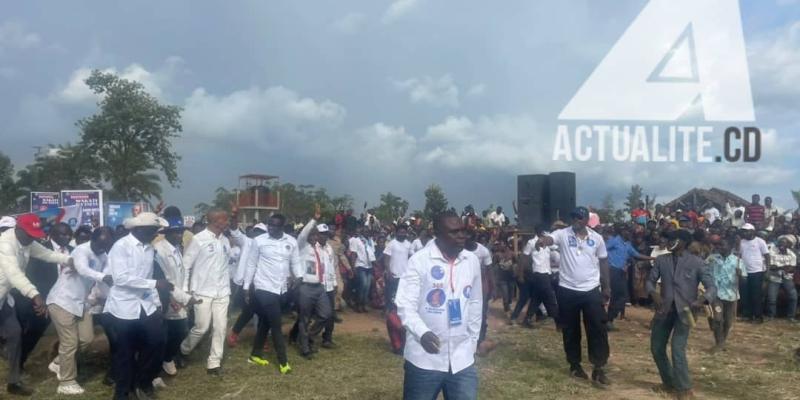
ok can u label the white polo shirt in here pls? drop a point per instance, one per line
(752, 254)
(430, 281)
(483, 254)
(399, 253)
(578, 263)
(540, 258)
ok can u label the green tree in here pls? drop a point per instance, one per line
(223, 198)
(131, 137)
(10, 195)
(606, 212)
(435, 202)
(634, 198)
(60, 168)
(391, 207)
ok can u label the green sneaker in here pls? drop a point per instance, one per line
(285, 369)
(258, 361)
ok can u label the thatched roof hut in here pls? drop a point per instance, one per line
(701, 199)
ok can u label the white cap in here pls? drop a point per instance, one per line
(322, 228)
(8, 222)
(145, 219)
(260, 226)
(748, 227)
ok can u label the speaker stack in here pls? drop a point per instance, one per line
(543, 199)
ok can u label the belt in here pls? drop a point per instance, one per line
(312, 284)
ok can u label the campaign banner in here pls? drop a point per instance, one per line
(53, 215)
(41, 201)
(91, 203)
(117, 211)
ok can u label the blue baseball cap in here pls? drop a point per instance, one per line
(175, 223)
(580, 213)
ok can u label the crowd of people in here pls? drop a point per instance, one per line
(157, 287)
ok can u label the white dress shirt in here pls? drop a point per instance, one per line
(313, 257)
(483, 254)
(417, 245)
(430, 281)
(206, 260)
(14, 259)
(71, 290)
(364, 249)
(271, 262)
(170, 259)
(399, 253)
(241, 267)
(541, 258)
(579, 269)
(131, 265)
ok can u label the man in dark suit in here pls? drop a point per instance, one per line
(43, 275)
(680, 273)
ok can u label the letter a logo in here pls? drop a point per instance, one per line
(676, 54)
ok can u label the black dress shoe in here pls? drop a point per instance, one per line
(18, 390)
(599, 378)
(145, 394)
(329, 345)
(576, 371)
(214, 371)
(180, 361)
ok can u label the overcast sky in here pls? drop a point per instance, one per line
(365, 97)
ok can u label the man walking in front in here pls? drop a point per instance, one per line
(583, 288)
(679, 272)
(206, 263)
(17, 246)
(271, 261)
(439, 301)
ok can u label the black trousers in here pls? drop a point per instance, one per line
(507, 284)
(247, 312)
(177, 329)
(755, 295)
(268, 308)
(390, 292)
(327, 332)
(542, 293)
(619, 293)
(525, 289)
(138, 352)
(313, 302)
(33, 326)
(572, 304)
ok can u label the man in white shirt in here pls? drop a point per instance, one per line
(421, 241)
(169, 256)
(206, 262)
(485, 261)
(439, 302)
(538, 279)
(247, 311)
(134, 310)
(782, 266)
(316, 260)
(497, 217)
(17, 246)
(363, 249)
(755, 256)
(272, 259)
(69, 310)
(584, 288)
(395, 258)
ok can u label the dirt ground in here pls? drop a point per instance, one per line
(527, 364)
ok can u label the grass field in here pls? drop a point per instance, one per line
(527, 364)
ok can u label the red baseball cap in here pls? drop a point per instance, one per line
(31, 224)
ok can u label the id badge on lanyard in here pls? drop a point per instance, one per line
(453, 304)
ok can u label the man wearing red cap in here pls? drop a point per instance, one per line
(17, 246)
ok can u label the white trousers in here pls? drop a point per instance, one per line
(212, 312)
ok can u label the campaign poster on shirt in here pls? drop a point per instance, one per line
(91, 202)
(41, 201)
(117, 211)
